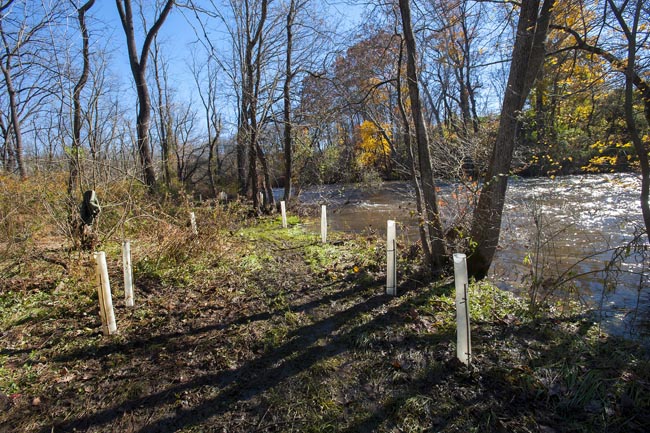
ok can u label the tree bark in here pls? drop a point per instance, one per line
(14, 118)
(139, 69)
(434, 224)
(252, 72)
(408, 143)
(241, 150)
(287, 103)
(527, 58)
(213, 156)
(73, 180)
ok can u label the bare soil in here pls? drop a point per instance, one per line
(286, 335)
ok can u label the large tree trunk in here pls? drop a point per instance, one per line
(527, 58)
(269, 200)
(434, 224)
(139, 69)
(250, 92)
(142, 129)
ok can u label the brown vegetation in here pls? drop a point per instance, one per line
(250, 327)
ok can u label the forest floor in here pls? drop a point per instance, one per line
(264, 329)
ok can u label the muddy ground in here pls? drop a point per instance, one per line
(265, 330)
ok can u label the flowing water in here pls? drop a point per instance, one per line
(575, 224)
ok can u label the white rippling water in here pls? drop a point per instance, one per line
(583, 219)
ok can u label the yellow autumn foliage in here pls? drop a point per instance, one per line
(373, 145)
(611, 154)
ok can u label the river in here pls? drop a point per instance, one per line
(581, 221)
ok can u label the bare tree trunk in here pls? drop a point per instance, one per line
(6, 145)
(527, 57)
(252, 159)
(408, 143)
(165, 128)
(287, 103)
(14, 120)
(434, 224)
(269, 200)
(214, 131)
(213, 155)
(73, 180)
(139, 69)
(241, 154)
(252, 72)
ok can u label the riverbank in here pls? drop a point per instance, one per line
(569, 227)
(249, 327)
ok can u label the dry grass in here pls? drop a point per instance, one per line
(247, 327)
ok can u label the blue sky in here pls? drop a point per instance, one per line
(176, 36)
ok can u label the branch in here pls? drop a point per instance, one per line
(151, 34)
(618, 64)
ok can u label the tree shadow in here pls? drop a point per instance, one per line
(495, 395)
(506, 395)
(255, 376)
(142, 343)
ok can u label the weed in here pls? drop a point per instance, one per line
(414, 413)
(251, 327)
(326, 366)
(275, 336)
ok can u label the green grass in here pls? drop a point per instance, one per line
(278, 332)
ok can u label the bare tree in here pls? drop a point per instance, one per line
(286, 92)
(305, 36)
(24, 65)
(164, 123)
(434, 224)
(415, 175)
(183, 121)
(206, 79)
(76, 97)
(251, 73)
(138, 63)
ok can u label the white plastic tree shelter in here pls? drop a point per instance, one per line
(391, 259)
(193, 224)
(283, 210)
(323, 224)
(104, 293)
(463, 335)
(128, 273)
